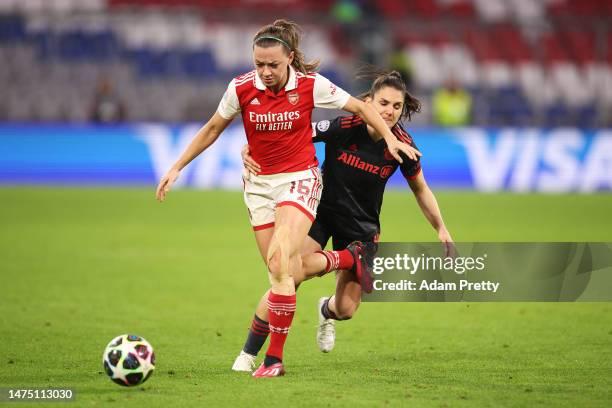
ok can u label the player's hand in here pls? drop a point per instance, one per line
(165, 184)
(449, 246)
(397, 148)
(251, 165)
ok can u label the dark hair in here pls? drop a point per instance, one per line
(382, 78)
(289, 34)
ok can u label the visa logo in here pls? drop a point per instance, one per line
(520, 160)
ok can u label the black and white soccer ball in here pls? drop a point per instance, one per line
(129, 360)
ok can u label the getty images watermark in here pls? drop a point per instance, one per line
(492, 272)
(412, 264)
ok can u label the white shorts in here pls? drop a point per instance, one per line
(262, 194)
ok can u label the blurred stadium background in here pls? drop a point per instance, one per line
(531, 80)
(109, 92)
(525, 62)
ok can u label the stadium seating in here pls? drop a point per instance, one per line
(527, 62)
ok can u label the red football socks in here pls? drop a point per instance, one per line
(338, 260)
(281, 310)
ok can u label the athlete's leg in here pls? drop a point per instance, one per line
(319, 264)
(309, 246)
(284, 261)
(283, 256)
(295, 209)
(314, 264)
(259, 330)
(263, 238)
(314, 260)
(322, 262)
(340, 306)
(347, 298)
(345, 302)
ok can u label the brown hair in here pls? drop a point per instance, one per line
(393, 79)
(286, 33)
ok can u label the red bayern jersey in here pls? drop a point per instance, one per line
(278, 126)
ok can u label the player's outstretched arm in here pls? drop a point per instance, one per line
(204, 138)
(372, 118)
(429, 206)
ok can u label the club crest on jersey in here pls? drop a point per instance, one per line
(293, 97)
(323, 125)
(386, 171)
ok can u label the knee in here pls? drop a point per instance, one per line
(278, 253)
(274, 265)
(293, 265)
(282, 264)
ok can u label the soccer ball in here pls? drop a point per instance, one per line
(129, 360)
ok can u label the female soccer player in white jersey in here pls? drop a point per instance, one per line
(276, 102)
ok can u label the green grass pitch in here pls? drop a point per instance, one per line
(80, 266)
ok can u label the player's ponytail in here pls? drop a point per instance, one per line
(286, 33)
(382, 78)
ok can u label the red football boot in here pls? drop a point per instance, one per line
(363, 253)
(275, 370)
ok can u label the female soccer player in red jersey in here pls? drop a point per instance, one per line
(276, 102)
(356, 169)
